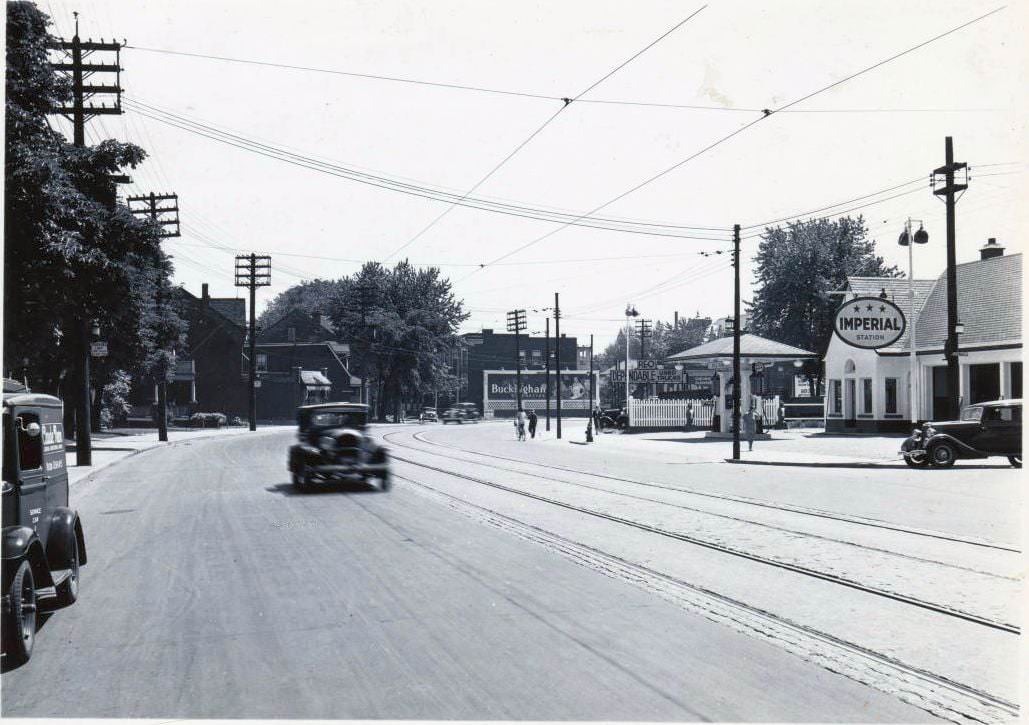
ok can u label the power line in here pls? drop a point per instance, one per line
(390, 184)
(523, 144)
(533, 95)
(766, 113)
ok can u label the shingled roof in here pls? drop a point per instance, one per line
(750, 346)
(897, 292)
(989, 304)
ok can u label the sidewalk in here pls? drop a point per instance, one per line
(786, 448)
(109, 447)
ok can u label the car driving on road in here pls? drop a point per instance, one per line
(334, 445)
(43, 543)
(461, 413)
(984, 430)
(428, 415)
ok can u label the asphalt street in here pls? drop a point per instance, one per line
(215, 590)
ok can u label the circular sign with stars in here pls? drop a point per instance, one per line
(869, 323)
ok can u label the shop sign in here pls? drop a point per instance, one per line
(98, 349)
(659, 375)
(869, 323)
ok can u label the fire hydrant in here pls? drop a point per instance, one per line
(589, 430)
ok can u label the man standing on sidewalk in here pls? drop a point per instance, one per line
(748, 428)
(533, 420)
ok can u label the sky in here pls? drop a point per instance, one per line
(730, 60)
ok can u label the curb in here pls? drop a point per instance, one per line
(818, 464)
(158, 444)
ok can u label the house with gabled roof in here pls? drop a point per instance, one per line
(875, 390)
(300, 361)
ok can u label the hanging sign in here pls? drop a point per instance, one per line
(869, 323)
(98, 349)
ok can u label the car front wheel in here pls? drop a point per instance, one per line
(68, 590)
(20, 629)
(1015, 461)
(920, 462)
(942, 455)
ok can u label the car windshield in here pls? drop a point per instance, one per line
(336, 419)
(973, 413)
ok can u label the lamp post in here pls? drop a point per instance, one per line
(630, 311)
(909, 240)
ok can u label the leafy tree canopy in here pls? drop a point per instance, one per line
(797, 265)
(72, 254)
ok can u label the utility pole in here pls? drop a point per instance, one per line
(515, 324)
(149, 205)
(736, 344)
(557, 358)
(546, 375)
(253, 271)
(78, 113)
(644, 332)
(949, 191)
(592, 391)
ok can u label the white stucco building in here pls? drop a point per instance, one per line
(869, 390)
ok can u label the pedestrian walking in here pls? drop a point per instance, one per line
(519, 423)
(689, 416)
(533, 420)
(749, 426)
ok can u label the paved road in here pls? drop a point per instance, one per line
(213, 590)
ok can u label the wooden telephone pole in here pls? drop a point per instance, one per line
(71, 63)
(149, 205)
(253, 271)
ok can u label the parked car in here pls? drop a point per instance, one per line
(428, 415)
(43, 543)
(461, 413)
(612, 419)
(334, 445)
(984, 430)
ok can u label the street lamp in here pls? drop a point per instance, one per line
(907, 239)
(630, 311)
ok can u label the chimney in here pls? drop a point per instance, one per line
(676, 325)
(325, 373)
(205, 294)
(991, 249)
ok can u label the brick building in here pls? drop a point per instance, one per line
(300, 361)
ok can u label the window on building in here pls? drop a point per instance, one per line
(1016, 380)
(866, 396)
(291, 334)
(836, 397)
(891, 395)
(262, 362)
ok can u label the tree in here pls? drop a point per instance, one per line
(400, 323)
(317, 295)
(73, 255)
(797, 266)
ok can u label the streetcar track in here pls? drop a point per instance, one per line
(611, 564)
(817, 513)
(729, 517)
(795, 568)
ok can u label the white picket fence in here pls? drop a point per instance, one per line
(679, 413)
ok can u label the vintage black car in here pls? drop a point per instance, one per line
(43, 544)
(428, 415)
(334, 445)
(612, 419)
(461, 413)
(985, 429)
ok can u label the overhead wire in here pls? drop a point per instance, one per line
(420, 191)
(566, 102)
(767, 113)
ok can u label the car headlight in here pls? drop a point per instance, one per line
(326, 443)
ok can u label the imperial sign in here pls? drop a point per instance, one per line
(869, 323)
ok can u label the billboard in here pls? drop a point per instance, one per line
(500, 389)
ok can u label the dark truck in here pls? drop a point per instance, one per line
(334, 445)
(43, 544)
(985, 429)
